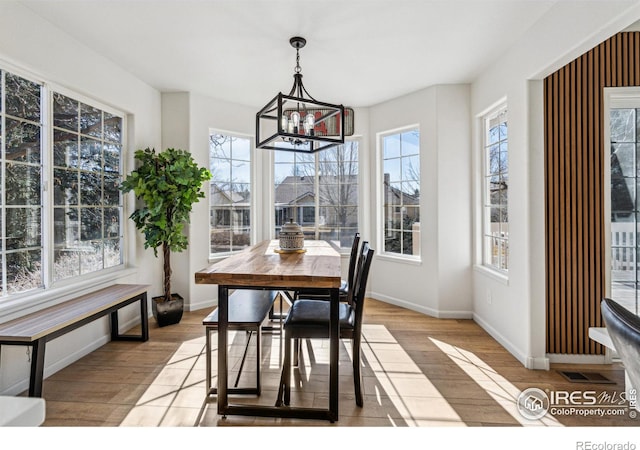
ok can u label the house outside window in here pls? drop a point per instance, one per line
(495, 214)
(400, 158)
(83, 160)
(230, 196)
(319, 191)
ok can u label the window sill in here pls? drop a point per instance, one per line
(494, 274)
(414, 261)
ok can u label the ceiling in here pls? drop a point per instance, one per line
(358, 52)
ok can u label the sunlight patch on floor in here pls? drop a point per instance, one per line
(413, 395)
(498, 387)
(170, 398)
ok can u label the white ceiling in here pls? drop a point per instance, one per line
(358, 52)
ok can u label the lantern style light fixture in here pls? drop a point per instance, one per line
(297, 122)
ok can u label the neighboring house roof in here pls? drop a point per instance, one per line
(293, 189)
(221, 196)
(407, 199)
(300, 189)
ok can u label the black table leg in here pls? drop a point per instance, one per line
(334, 336)
(223, 325)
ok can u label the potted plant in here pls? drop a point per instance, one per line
(168, 183)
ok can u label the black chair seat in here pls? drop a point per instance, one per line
(315, 313)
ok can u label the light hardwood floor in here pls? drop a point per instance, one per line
(419, 371)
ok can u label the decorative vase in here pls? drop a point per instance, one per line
(167, 313)
(291, 236)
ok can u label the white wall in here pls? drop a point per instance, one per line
(30, 44)
(515, 316)
(439, 285)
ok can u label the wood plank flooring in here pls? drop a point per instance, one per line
(418, 371)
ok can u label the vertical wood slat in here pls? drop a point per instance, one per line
(574, 179)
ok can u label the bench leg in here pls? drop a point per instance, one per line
(144, 318)
(144, 323)
(37, 368)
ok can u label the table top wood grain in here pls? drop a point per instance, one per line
(260, 265)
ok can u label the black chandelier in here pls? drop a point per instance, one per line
(299, 123)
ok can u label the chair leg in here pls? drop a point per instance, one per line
(284, 393)
(286, 369)
(296, 352)
(357, 374)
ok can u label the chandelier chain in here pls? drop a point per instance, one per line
(298, 69)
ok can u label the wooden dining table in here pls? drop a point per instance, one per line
(263, 266)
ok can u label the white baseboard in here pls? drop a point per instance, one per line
(530, 362)
(565, 358)
(422, 309)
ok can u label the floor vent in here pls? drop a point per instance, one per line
(585, 377)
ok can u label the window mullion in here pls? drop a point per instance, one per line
(3, 209)
(316, 196)
(46, 205)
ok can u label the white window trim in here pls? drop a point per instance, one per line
(383, 255)
(481, 266)
(613, 97)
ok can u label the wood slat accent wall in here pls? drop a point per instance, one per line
(574, 174)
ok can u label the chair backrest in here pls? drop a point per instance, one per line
(360, 283)
(624, 330)
(353, 257)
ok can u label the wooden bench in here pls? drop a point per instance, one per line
(248, 309)
(37, 328)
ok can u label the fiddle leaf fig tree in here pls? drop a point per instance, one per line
(168, 183)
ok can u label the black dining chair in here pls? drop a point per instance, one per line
(624, 330)
(345, 285)
(309, 319)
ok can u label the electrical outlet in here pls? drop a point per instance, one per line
(489, 300)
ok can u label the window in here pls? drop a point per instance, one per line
(400, 153)
(230, 199)
(21, 182)
(495, 215)
(624, 181)
(83, 160)
(319, 191)
(87, 209)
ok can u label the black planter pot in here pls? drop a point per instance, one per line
(167, 313)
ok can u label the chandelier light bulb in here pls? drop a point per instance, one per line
(295, 118)
(309, 124)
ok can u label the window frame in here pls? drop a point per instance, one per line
(252, 185)
(384, 254)
(486, 264)
(317, 205)
(51, 291)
